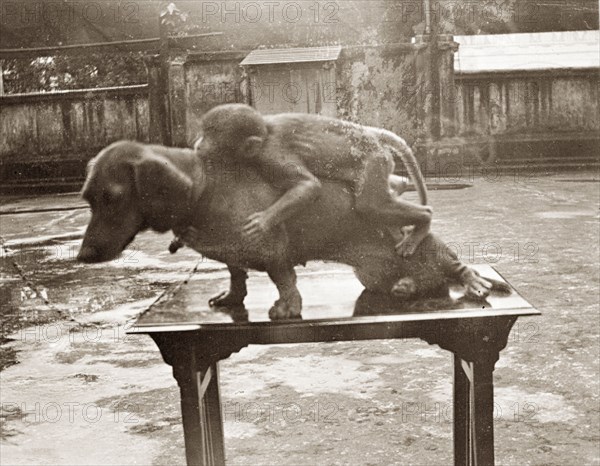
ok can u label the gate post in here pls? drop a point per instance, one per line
(177, 102)
(158, 130)
(170, 83)
(436, 94)
(435, 84)
(447, 88)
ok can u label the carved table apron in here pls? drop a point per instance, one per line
(193, 338)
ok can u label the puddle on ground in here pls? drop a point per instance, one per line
(51, 402)
(567, 214)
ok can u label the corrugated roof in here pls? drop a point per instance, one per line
(527, 52)
(293, 55)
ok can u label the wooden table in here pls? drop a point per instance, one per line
(193, 338)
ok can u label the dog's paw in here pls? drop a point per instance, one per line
(286, 309)
(226, 299)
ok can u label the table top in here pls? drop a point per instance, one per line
(332, 296)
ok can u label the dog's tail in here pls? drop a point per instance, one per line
(175, 245)
(405, 153)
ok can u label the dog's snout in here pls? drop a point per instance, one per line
(88, 254)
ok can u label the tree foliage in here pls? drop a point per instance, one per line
(61, 72)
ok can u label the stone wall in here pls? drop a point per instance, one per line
(52, 135)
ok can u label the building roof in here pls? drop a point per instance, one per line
(292, 55)
(527, 52)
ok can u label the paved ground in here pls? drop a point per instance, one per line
(76, 390)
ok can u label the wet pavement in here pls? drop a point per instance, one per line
(75, 389)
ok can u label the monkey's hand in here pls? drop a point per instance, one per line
(256, 227)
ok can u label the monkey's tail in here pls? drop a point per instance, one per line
(408, 159)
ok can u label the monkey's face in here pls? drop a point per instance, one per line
(219, 146)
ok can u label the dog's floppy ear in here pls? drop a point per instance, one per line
(164, 191)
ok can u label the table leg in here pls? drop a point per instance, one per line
(214, 421)
(201, 413)
(462, 437)
(473, 412)
(482, 421)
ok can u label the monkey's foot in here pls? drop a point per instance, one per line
(398, 184)
(411, 241)
(227, 299)
(475, 285)
(290, 308)
(405, 288)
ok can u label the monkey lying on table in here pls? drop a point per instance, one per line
(293, 152)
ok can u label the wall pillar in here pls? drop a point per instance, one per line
(157, 113)
(435, 85)
(447, 88)
(436, 99)
(177, 102)
(423, 86)
(170, 80)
